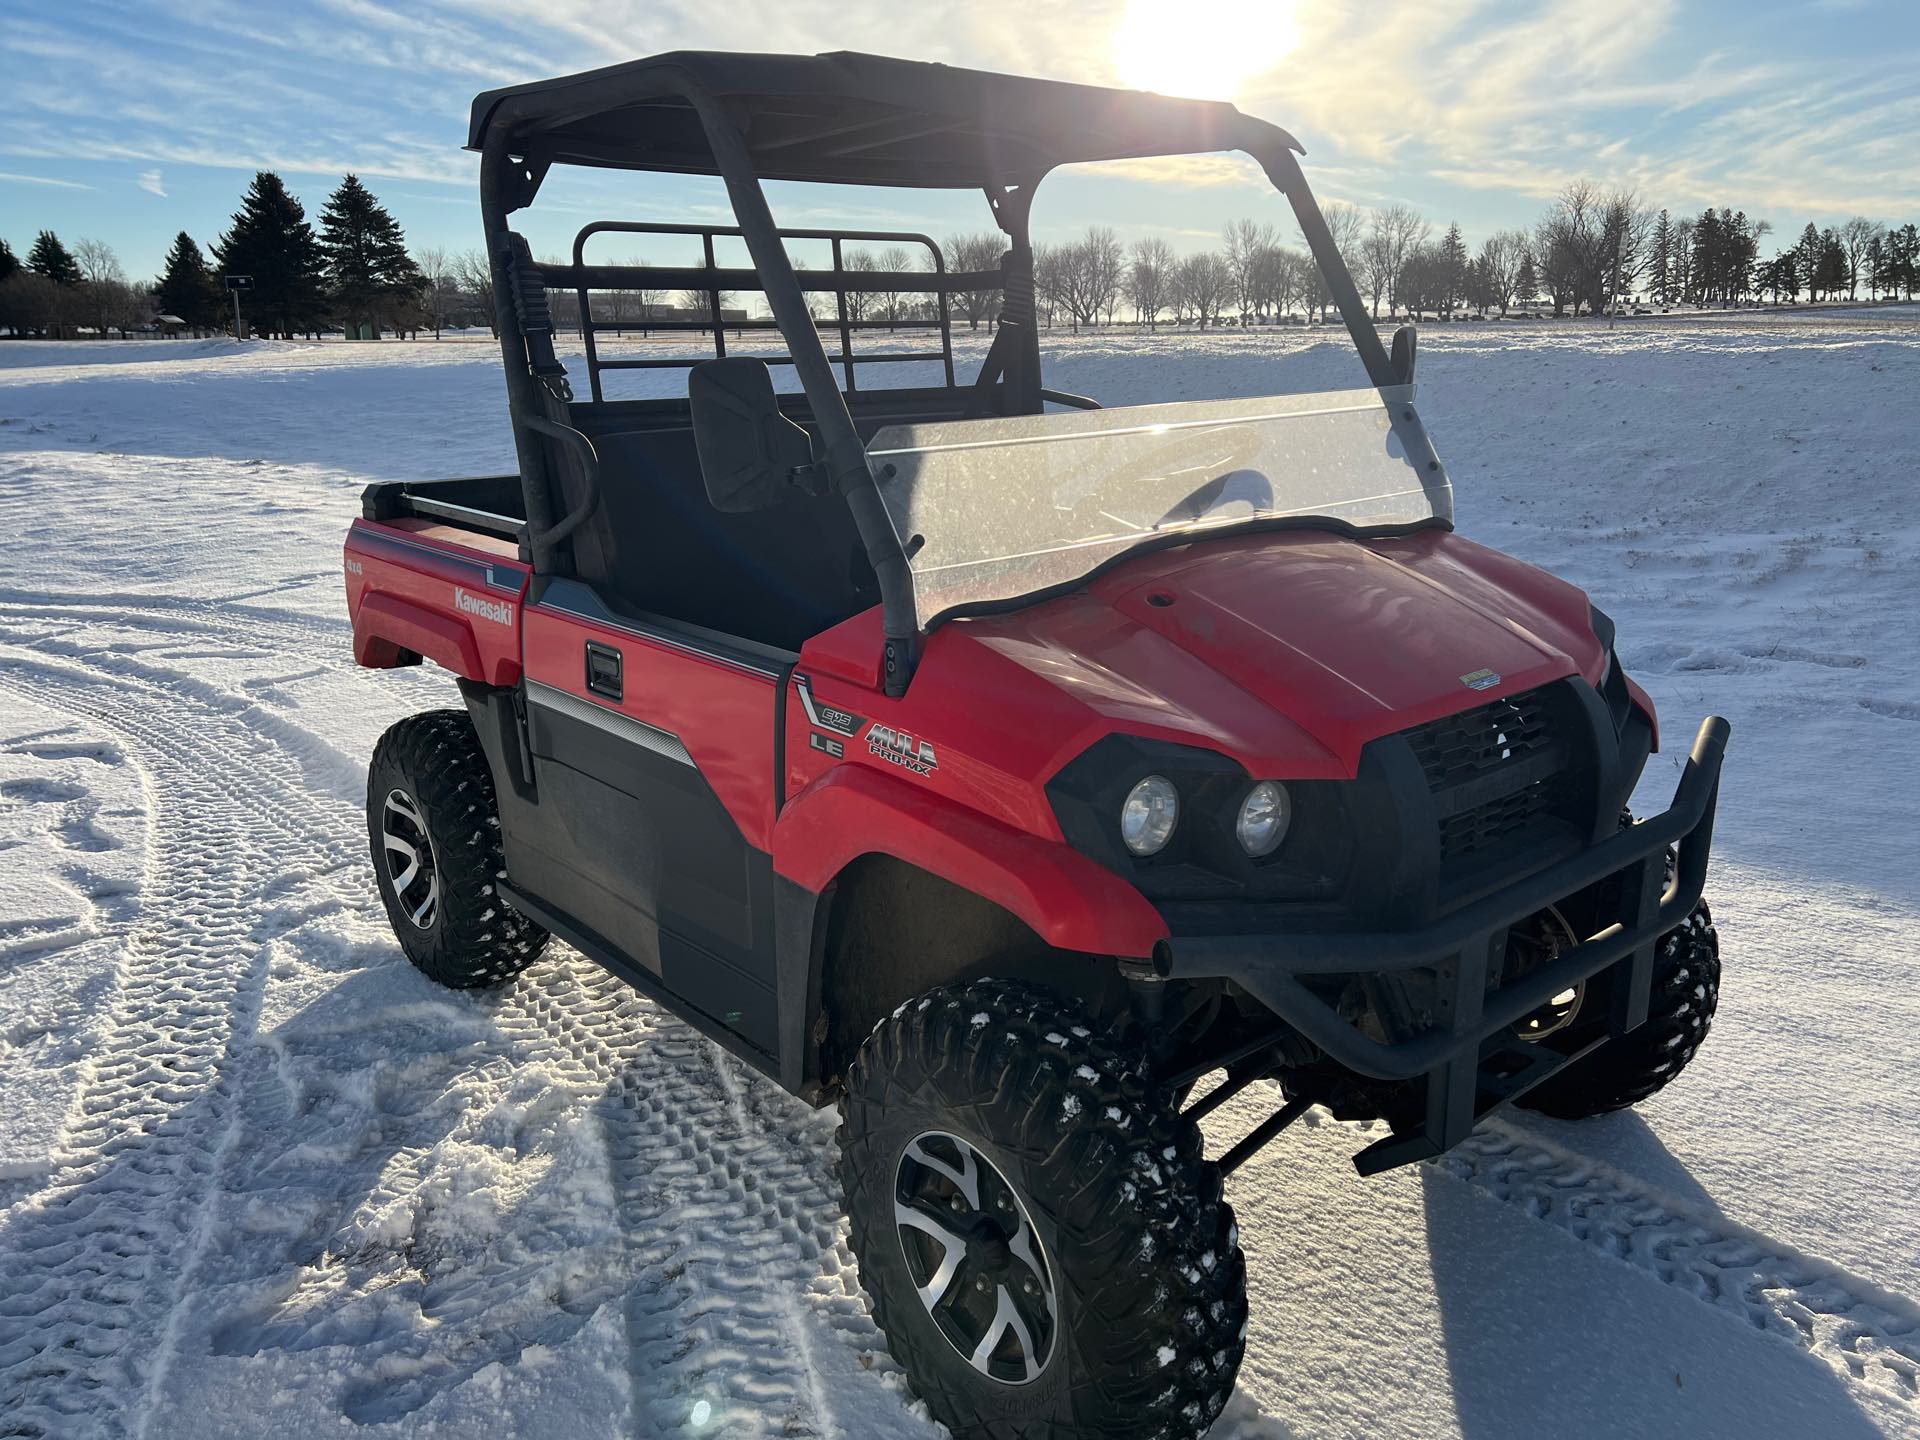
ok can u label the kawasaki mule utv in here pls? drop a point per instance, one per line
(1000, 766)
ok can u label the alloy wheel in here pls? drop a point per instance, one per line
(409, 851)
(978, 1265)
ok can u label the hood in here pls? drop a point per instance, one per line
(1292, 651)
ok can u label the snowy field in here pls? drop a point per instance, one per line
(259, 1177)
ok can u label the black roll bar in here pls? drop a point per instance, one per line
(507, 185)
(846, 457)
(590, 467)
(1283, 169)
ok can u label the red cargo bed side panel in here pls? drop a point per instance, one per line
(453, 598)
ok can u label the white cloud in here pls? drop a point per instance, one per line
(150, 182)
(9, 177)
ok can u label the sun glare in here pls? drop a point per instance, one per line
(1203, 48)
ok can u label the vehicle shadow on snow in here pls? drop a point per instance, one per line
(1552, 1332)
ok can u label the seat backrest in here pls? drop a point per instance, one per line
(778, 576)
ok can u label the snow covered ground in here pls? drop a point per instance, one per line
(257, 1176)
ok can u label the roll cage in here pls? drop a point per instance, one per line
(840, 118)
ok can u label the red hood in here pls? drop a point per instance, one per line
(1292, 651)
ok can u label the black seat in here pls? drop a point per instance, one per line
(778, 576)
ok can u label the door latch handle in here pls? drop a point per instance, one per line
(604, 671)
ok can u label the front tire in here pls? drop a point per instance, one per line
(1639, 1064)
(434, 829)
(1041, 1240)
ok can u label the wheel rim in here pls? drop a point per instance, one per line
(409, 853)
(1552, 937)
(976, 1262)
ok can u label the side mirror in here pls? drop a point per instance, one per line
(749, 452)
(1406, 346)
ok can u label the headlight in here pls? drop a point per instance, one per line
(1147, 818)
(1263, 819)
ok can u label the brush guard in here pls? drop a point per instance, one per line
(1470, 1058)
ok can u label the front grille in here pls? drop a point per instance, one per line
(1478, 741)
(1495, 771)
(1479, 826)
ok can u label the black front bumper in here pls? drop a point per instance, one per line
(1463, 951)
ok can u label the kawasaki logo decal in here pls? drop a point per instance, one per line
(497, 611)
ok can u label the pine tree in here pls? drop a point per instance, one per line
(1527, 284)
(1453, 269)
(1832, 265)
(1660, 268)
(1880, 275)
(9, 262)
(1806, 256)
(1903, 260)
(1708, 245)
(49, 257)
(369, 273)
(271, 240)
(187, 287)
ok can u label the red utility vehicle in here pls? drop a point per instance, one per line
(998, 765)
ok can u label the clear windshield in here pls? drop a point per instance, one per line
(1000, 508)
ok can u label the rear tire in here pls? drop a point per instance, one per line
(1634, 1066)
(1134, 1311)
(434, 829)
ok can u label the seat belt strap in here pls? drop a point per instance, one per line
(536, 318)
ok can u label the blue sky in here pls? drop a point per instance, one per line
(128, 120)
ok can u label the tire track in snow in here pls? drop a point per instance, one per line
(1868, 1336)
(93, 1261)
(730, 1209)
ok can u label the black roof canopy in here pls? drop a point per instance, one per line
(853, 119)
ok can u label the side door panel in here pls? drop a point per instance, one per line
(655, 763)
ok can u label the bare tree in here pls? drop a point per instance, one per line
(1592, 245)
(1278, 278)
(972, 254)
(1203, 284)
(1856, 240)
(436, 267)
(1501, 255)
(1393, 235)
(106, 299)
(1106, 272)
(1247, 241)
(1150, 279)
(474, 280)
(97, 261)
(861, 304)
(1048, 282)
(1346, 224)
(895, 305)
(1083, 278)
(702, 304)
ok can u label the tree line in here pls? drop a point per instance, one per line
(354, 271)
(1593, 250)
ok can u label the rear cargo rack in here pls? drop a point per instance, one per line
(708, 279)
